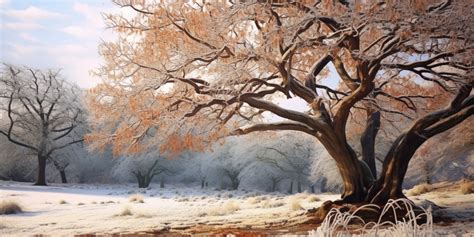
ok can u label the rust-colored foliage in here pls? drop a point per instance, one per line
(183, 74)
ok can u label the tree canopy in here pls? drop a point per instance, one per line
(185, 73)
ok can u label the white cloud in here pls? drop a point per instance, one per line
(80, 31)
(77, 57)
(75, 60)
(21, 25)
(21, 51)
(4, 2)
(31, 13)
(28, 37)
(92, 27)
(91, 13)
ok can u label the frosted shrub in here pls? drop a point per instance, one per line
(336, 222)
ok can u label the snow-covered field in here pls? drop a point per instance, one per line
(85, 209)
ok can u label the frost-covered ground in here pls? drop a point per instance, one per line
(82, 209)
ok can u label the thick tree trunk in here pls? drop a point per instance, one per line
(62, 173)
(274, 184)
(41, 179)
(367, 140)
(235, 183)
(290, 189)
(324, 182)
(350, 171)
(298, 186)
(143, 180)
(389, 185)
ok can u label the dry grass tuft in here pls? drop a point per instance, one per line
(141, 215)
(226, 209)
(230, 207)
(313, 198)
(295, 204)
(62, 202)
(467, 187)
(253, 200)
(202, 214)
(184, 199)
(272, 204)
(80, 204)
(125, 212)
(136, 198)
(9, 207)
(419, 189)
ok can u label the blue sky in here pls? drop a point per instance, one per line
(54, 34)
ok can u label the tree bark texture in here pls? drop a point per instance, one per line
(62, 173)
(41, 178)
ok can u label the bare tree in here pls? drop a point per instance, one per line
(199, 65)
(61, 166)
(145, 177)
(294, 159)
(40, 112)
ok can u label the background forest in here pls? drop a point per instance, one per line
(286, 162)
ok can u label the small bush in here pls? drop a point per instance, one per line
(62, 202)
(9, 207)
(125, 212)
(80, 204)
(467, 187)
(136, 198)
(419, 189)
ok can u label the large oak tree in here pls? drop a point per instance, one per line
(182, 73)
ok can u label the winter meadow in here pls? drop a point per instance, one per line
(237, 118)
